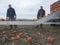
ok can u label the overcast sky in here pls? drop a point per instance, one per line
(26, 9)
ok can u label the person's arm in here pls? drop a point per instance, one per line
(14, 14)
(38, 14)
(7, 15)
(44, 13)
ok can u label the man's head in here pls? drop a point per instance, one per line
(10, 6)
(41, 7)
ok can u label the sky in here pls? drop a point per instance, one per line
(25, 9)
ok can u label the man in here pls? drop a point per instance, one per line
(11, 15)
(41, 13)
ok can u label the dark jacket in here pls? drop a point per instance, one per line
(41, 13)
(11, 13)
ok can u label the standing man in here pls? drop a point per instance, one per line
(41, 13)
(11, 15)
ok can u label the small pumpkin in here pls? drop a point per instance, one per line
(1, 19)
(12, 38)
(20, 34)
(29, 38)
(14, 31)
(18, 37)
(4, 32)
(51, 39)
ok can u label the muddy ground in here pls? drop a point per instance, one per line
(39, 36)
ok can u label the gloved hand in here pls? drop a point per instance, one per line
(15, 17)
(40, 17)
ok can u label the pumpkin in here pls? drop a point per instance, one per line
(4, 32)
(5, 19)
(14, 31)
(0, 19)
(20, 34)
(12, 38)
(29, 38)
(18, 37)
(51, 39)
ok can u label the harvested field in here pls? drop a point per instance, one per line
(39, 37)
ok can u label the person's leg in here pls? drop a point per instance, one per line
(15, 26)
(11, 26)
(41, 27)
(37, 25)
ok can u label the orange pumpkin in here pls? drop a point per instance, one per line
(29, 38)
(4, 32)
(4, 19)
(20, 34)
(18, 37)
(12, 38)
(51, 39)
(14, 31)
(1, 19)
